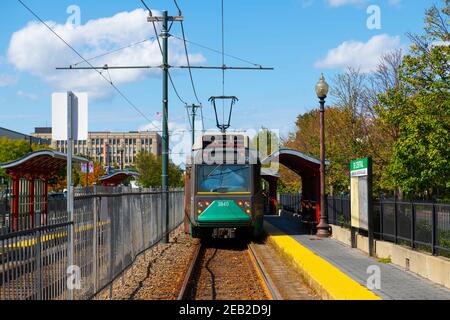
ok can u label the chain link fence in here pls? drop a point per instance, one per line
(112, 226)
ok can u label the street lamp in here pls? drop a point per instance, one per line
(121, 150)
(323, 229)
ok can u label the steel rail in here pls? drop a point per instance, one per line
(264, 275)
(189, 274)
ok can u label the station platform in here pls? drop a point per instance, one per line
(341, 273)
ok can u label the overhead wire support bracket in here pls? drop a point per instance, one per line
(222, 68)
(161, 19)
(106, 67)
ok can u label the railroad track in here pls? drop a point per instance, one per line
(226, 270)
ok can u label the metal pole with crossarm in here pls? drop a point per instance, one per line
(164, 19)
(165, 133)
(193, 108)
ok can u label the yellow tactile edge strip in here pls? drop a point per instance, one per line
(327, 280)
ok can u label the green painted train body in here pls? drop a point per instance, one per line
(224, 195)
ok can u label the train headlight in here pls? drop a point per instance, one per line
(202, 206)
(245, 206)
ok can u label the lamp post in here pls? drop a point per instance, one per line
(323, 229)
(121, 150)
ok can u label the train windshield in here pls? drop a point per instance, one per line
(224, 178)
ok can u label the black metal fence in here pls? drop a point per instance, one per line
(290, 202)
(421, 225)
(338, 209)
(304, 209)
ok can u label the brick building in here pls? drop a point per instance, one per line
(109, 147)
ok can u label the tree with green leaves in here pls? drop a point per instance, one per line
(266, 142)
(149, 167)
(399, 115)
(420, 109)
(11, 150)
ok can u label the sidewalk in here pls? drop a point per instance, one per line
(396, 283)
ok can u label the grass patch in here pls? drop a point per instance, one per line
(385, 260)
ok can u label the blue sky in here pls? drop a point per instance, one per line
(299, 38)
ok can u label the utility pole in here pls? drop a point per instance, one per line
(193, 108)
(165, 19)
(165, 142)
(165, 134)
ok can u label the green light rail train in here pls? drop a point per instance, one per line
(223, 188)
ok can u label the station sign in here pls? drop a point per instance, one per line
(359, 168)
(359, 193)
(361, 201)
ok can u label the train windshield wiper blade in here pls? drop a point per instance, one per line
(220, 189)
(214, 170)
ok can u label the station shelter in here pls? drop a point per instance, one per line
(27, 190)
(117, 178)
(307, 167)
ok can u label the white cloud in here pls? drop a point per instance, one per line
(27, 95)
(180, 139)
(394, 2)
(339, 3)
(36, 50)
(7, 80)
(362, 55)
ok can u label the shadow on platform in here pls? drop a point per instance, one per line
(288, 225)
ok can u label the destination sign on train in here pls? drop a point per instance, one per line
(223, 141)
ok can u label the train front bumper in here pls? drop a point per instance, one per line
(224, 214)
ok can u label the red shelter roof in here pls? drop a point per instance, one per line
(44, 164)
(117, 177)
(302, 164)
(307, 167)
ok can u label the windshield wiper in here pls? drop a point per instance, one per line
(214, 170)
(220, 189)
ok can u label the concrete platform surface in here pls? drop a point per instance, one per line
(395, 283)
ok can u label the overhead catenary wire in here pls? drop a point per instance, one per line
(189, 65)
(93, 68)
(190, 70)
(113, 51)
(216, 51)
(223, 60)
(104, 67)
(187, 60)
(79, 55)
(161, 50)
